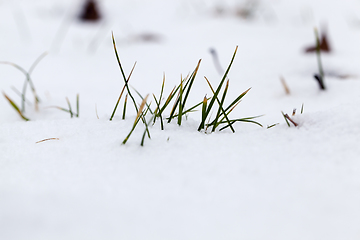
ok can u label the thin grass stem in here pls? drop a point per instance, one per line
(70, 111)
(124, 109)
(13, 104)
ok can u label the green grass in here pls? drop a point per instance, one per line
(69, 109)
(179, 95)
(17, 109)
(222, 113)
(28, 80)
(140, 115)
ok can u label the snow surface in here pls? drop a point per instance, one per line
(279, 183)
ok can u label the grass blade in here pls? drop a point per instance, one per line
(28, 79)
(122, 72)
(143, 99)
(77, 105)
(285, 118)
(124, 109)
(302, 108)
(180, 104)
(155, 114)
(223, 112)
(68, 102)
(138, 117)
(273, 125)
(191, 81)
(13, 104)
(203, 111)
(221, 108)
(240, 120)
(122, 91)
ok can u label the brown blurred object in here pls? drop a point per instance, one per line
(324, 45)
(90, 11)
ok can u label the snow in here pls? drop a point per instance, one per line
(257, 183)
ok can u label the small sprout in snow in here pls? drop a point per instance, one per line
(285, 86)
(47, 139)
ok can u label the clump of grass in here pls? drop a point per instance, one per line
(27, 81)
(179, 95)
(69, 109)
(222, 115)
(288, 119)
(179, 110)
(184, 91)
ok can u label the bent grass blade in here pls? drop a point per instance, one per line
(13, 104)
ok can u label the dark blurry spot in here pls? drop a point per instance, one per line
(324, 45)
(90, 11)
(320, 81)
(146, 37)
(247, 10)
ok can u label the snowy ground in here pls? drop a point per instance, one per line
(279, 183)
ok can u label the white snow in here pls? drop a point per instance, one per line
(257, 183)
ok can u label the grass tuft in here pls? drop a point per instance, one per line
(27, 81)
(222, 114)
(216, 93)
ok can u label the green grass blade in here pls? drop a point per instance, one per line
(77, 105)
(203, 111)
(221, 109)
(31, 69)
(180, 104)
(122, 91)
(37, 61)
(159, 114)
(28, 79)
(168, 100)
(240, 120)
(60, 108)
(13, 104)
(68, 102)
(285, 118)
(302, 108)
(157, 110)
(192, 109)
(273, 125)
(191, 81)
(124, 109)
(237, 100)
(146, 131)
(137, 119)
(123, 74)
(223, 112)
(20, 95)
(138, 93)
(172, 113)
(117, 103)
